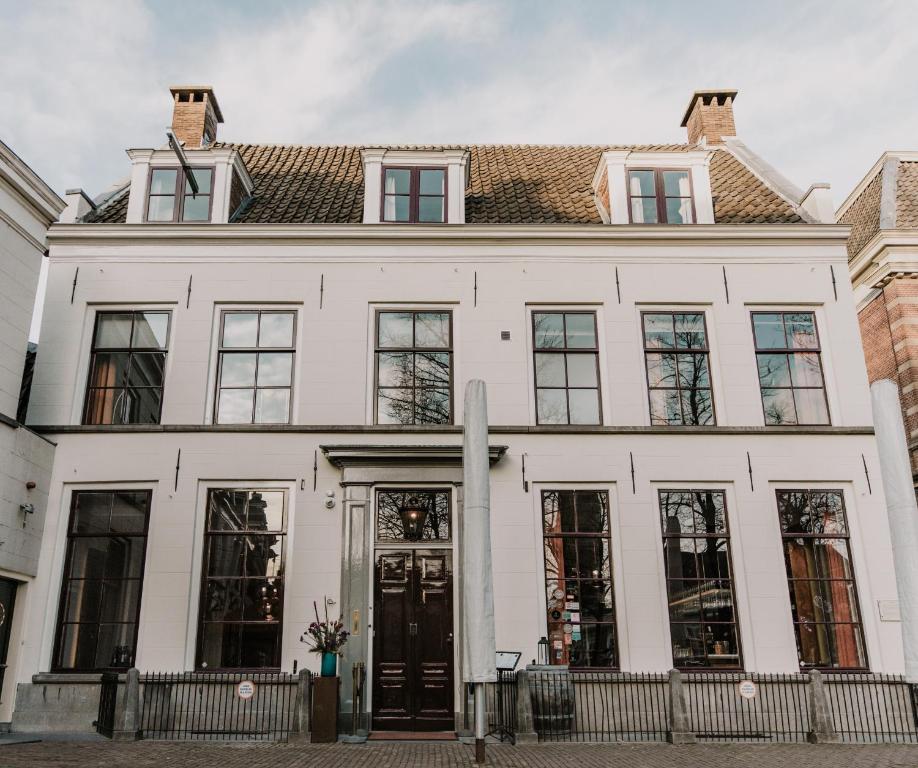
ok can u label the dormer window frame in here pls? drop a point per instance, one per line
(178, 195)
(659, 193)
(414, 193)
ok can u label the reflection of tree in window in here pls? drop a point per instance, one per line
(391, 515)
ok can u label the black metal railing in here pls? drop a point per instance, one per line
(211, 706)
(502, 706)
(108, 700)
(599, 706)
(776, 710)
(872, 708)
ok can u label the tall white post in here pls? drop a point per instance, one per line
(902, 510)
(479, 662)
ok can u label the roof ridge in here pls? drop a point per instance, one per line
(445, 145)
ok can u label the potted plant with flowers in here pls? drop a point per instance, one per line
(325, 637)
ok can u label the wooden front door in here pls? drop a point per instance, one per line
(413, 641)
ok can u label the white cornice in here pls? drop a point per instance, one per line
(888, 254)
(29, 185)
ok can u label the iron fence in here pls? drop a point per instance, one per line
(213, 706)
(502, 706)
(872, 708)
(108, 700)
(599, 706)
(777, 710)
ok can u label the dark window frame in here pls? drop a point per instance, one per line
(858, 625)
(565, 350)
(222, 351)
(59, 623)
(660, 195)
(205, 563)
(446, 543)
(178, 195)
(676, 351)
(727, 536)
(414, 350)
(817, 350)
(414, 195)
(129, 351)
(607, 536)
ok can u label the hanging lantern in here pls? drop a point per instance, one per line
(413, 513)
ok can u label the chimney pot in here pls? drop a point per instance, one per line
(195, 115)
(709, 116)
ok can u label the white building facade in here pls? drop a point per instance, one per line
(255, 391)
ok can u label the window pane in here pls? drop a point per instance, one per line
(801, 330)
(113, 330)
(115, 645)
(584, 405)
(693, 370)
(226, 510)
(658, 331)
(430, 209)
(395, 369)
(222, 600)
(678, 210)
(551, 405)
(266, 511)
(665, 407)
(431, 406)
(262, 600)
(163, 182)
(431, 329)
(549, 370)
(110, 369)
(395, 329)
(548, 330)
(235, 406)
(432, 182)
(237, 369)
(275, 369)
(143, 405)
(769, 331)
(104, 406)
(196, 207)
(272, 406)
(118, 599)
(147, 369)
(811, 406)
(395, 406)
(779, 406)
(676, 184)
(690, 331)
(150, 330)
(397, 208)
(92, 512)
(644, 210)
(773, 370)
(641, 183)
(432, 369)
(697, 407)
(581, 370)
(398, 181)
(161, 208)
(276, 329)
(260, 646)
(592, 512)
(129, 512)
(581, 330)
(240, 329)
(202, 176)
(805, 370)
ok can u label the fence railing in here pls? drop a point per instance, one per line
(502, 701)
(872, 708)
(212, 706)
(108, 701)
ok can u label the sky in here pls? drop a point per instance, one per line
(824, 86)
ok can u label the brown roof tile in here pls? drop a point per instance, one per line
(863, 215)
(907, 195)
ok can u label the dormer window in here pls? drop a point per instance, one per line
(414, 195)
(171, 198)
(660, 196)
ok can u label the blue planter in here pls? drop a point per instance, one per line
(329, 664)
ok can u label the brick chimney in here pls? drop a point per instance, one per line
(709, 117)
(195, 115)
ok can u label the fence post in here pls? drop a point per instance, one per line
(301, 725)
(822, 729)
(525, 729)
(679, 726)
(128, 726)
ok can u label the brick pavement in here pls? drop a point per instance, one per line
(433, 755)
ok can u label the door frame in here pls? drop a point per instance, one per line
(397, 546)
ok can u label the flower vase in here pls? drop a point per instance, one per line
(329, 664)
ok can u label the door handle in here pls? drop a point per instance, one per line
(449, 637)
(412, 628)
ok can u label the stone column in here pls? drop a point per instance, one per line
(128, 724)
(304, 715)
(525, 728)
(680, 731)
(822, 730)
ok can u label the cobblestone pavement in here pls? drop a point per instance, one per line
(402, 755)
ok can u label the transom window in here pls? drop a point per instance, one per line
(660, 196)
(578, 579)
(103, 576)
(699, 579)
(126, 367)
(242, 597)
(790, 369)
(678, 371)
(820, 577)
(412, 515)
(566, 368)
(414, 195)
(414, 367)
(255, 371)
(171, 197)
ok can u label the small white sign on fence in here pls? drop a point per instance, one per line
(747, 689)
(245, 690)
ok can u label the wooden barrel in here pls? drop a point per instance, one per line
(552, 691)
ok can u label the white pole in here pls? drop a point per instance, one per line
(902, 510)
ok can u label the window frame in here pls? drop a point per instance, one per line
(65, 578)
(205, 562)
(659, 194)
(413, 350)
(254, 350)
(129, 350)
(565, 350)
(381, 542)
(787, 352)
(414, 193)
(846, 537)
(179, 194)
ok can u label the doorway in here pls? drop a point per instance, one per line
(8, 589)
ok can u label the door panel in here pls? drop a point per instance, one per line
(413, 641)
(7, 603)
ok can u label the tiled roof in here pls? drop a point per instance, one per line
(508, 184)
(863, 215)
(907, 195)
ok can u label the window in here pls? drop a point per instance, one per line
(414, 367)
(790, 370)
(820, 577)
(103, 576)
(660, 197)
(678, 371)
(126, 368)
(578, 579)
(172, 199)
(413, 515)
(414, 195)
(699, 579)
(242, 596)
(255, 369)
(566, 368)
